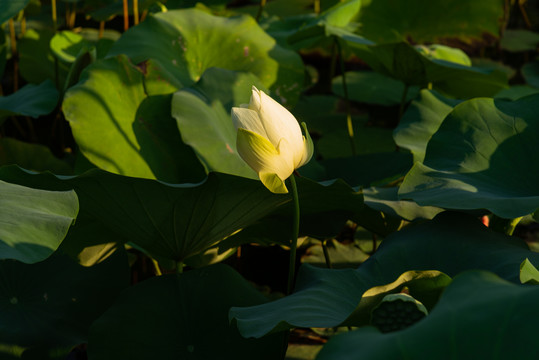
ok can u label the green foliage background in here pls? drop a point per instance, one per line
(131, 228)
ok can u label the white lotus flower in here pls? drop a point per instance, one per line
(270, 140)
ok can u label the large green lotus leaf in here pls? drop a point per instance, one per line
(373, 88)
(327, 297)
(55, 301)
(181, 317)
(368, 169)
(529, 273)
(530, 72)
(479, 316)
(324, 209)
(480, 158)
(386, 200)
(403, 62)
(154, 79)
(516, 92)
(169, 221)
(102, 41)
(67, 45)
(188, 42)
(443, 52)
(430, 21)
(425, 286)
(30, 100)
(10, 8)
(421, 119)
(202, 112)
(329, 22)
(84, 58)
(340, 14)
(34, 222)
(122, 130)
(516, 40)
(37, 62)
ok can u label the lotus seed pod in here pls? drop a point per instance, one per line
(396, 312)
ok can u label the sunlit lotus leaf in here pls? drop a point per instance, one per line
(121, 129)
(188, 42)
(481, 158)
(34, 222)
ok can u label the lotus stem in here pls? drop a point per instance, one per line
(101, 29)
(179, 267)
(317, 6)
(333, 63)
(156, 267)
(326, 254)
(126, 16)
(349, 124)
(73, 16)
(54, 18)
(135, 12)
(260, 9)
(23, 25)
(13, 40)
(524, 14)
(295, 233)
(374, 245)
(144, 14)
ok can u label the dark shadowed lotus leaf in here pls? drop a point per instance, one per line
(386, 199)
(30, 100)
(516, 92)
(35, 157)
(402, 61)
(516, 40)
(530, 72)
(373, 88)
(429, 21)
(421, 119)
(368, 169)
(53, 302)
(9, 9)
(168, 221)
(327, 297)
(36, 60)
(479, 316)
(181, 316)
